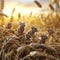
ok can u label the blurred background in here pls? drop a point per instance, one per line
(40, 13)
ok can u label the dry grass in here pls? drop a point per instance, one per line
(16, 47)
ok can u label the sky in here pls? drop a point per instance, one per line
(10, 4)
(25, 1)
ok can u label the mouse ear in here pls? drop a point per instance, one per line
(34, 28)
(50, 31)
(22, 24)
(9, 25)
(37, 3)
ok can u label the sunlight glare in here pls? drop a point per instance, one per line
(7, 11)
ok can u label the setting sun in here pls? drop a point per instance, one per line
(23, 10)
(7, 11)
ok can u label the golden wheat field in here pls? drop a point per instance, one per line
(29, 33)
